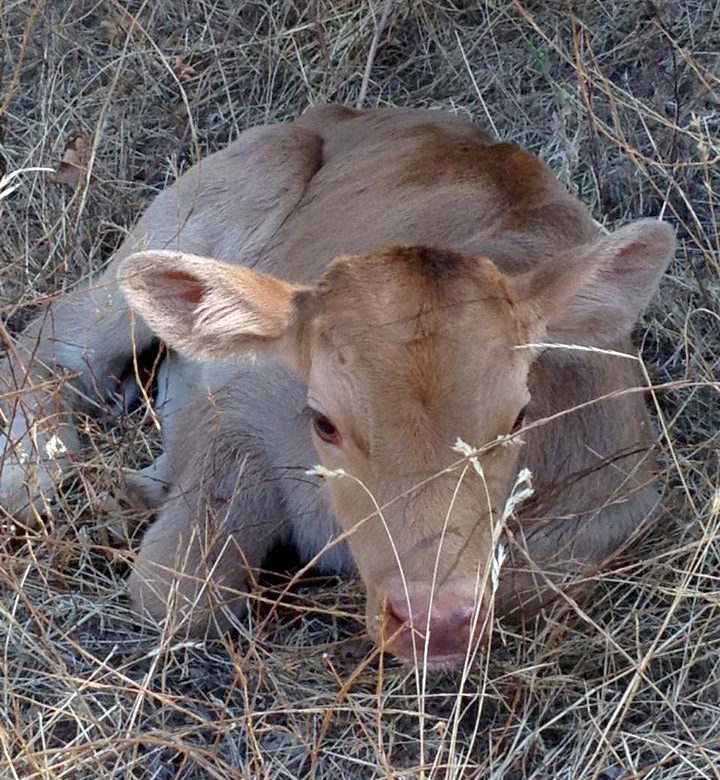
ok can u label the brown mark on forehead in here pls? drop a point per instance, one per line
(432, 265)
(413, 292)
(413, 305)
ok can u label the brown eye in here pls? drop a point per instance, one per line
(325, 428)
(519, 421)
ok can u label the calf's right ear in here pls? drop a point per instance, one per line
(211, 310)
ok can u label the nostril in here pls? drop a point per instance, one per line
(398, 610)
(460, 616)
(395, 620)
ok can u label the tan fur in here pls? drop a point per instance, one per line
(389, 267)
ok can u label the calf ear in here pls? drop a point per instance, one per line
(595, 293)
(208, 309)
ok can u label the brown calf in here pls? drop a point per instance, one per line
(388, 269)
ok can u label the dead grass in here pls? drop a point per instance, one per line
(622, 99)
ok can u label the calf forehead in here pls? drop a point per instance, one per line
(414, 292)
(421, 333)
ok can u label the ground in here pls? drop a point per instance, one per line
(621, 98)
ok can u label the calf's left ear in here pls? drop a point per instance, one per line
(210, 310)
(595, 293)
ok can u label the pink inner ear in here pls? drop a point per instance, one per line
(189, 287)
(622, 268)
(628, 251)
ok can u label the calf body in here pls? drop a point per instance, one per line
(387, 271)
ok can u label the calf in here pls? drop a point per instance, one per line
(391, 273)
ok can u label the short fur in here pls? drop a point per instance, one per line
(394, 261)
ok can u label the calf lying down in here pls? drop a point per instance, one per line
(396, 277)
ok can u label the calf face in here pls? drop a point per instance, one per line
(404, 351)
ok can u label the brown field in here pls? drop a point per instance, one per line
(622, 98)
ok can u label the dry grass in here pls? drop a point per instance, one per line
(621, 97)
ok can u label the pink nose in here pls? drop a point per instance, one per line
(445, 627)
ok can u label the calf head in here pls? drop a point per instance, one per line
(405, 350)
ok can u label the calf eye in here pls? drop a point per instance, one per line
(325, 428)
(519, 421)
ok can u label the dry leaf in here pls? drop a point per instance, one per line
(114, 29)
(71, 169)
(184, 71)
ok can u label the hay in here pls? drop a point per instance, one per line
(621, 98)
